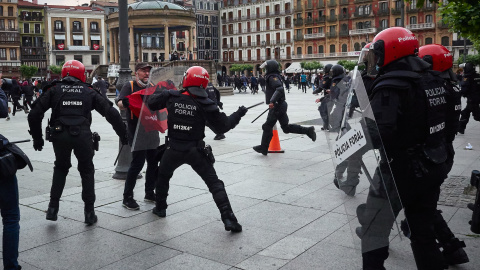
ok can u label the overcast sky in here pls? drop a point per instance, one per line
(63, 2)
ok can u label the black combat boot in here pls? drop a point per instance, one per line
(260, 149)
(452, 247)
(159, 212)
(374, 259)
(229, 219)
(52, 213)
(311, 133)
(90, 217)
(428, 256)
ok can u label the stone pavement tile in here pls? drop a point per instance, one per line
(145, 259)
(447, 211)
(117, 209)
(214, 243)
(326, 256)
(172, 226)
(259, 262)
(276, 160)
(289, 247)
(26, 266)
(324, 199)
(187, 261)
(24, 193)
(322, 227)
(323, 167)
(459, 222)
(262, 190)
(278, 217)
(92, 249)
(291, 195)
(238, 204)
(344, 236)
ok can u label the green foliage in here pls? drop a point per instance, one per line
(56, 69)
(474, 59)
(241, 67)
(28, 71)
(347, 64)
(311, 65)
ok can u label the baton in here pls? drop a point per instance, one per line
(255, 105)
(21, 141)
(260, 114)
(121, 148)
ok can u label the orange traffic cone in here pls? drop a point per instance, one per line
(274, 146)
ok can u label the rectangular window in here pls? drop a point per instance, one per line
(78, 58)
(60, 60)
(3, 53)
(58, 25)
(398, 22)
(37, 28)
(2, 24)
(77, 42)
(11, 24)
(145, 57)
(26, 28)
(10, 11)
(13, 54)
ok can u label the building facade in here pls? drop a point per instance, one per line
(76, 33)
(208, 29)
(253, 31)
(9, 39)
(334, 29)
(33, 48)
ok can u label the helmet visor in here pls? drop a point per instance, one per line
(370, 61)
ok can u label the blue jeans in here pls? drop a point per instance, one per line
(10, 216)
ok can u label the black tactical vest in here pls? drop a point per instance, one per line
(272, 85)
(454, 107)
(186, 121)
(71, 104)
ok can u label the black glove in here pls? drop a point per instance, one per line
(38, 144)
(242, 110)
(220, 105)
(126, 102)
(124, 139)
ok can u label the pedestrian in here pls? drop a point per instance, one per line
(275, 99)
(286, 80)
(471, 90)
(325, 100)
(219, 80)
(28, 92)
(72, 101)
(254, 84)
(303, 82)
(262, 82)
(186, 130)
(16, 94)
(3, 102)
(139, 156)
(409, 104)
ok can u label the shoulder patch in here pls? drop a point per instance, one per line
(464, 79)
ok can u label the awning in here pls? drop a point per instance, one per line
(60, 37)
(77, 37)
(94, 37)
(296, 68)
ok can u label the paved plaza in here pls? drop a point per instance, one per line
(293, 217)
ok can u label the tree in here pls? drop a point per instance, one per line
(311, 65)
(474, 59)
(56, 69)
(28, 71)
(347, 64)
(241, 67)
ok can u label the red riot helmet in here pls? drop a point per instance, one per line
(195, 80)
(392, 44)
(75, 69)
(437, 55)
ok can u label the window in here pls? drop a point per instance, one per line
(360, 10)
(344, 47)
(445, 41)
(320, 49)
(77, 42)
(78, 58)
(3, 53)
(13, 54)
(309, 30)
(10, 11)
(26, 28)
(332, 12)
(384, 6)
(58, 25)
(1, 10)
(332, 48)
(2, 24)
(367, 24)
(428, 18)
(398, 22)
(310, 50)
(360, 25)
(384, 24)
(320, 30)
(77, 26)
(111, 10)
(413, 20)
(299, 51)
(428, 41)
(398, 4)
(413, 4)
(428, 3)
(356, 47)
(94, 26)
(60, 60)
(206, 20)
(11, 24)
(145, 57)
(367, 10)
(37, 28)
(95, 59)
(344, 27)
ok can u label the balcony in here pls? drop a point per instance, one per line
(396, 11)
(442, 25)
(59, 29)
(326, 55)
(420, 26)
(299, 8)
(362, 1)
(363, 31)
(77, 29)
(298, 37)
(80, 48)
(31, 31)
(308, 21)
(343, 16)
(13, 38)
(343, 33)
(314, 36)
(320, 19)
(6, 28)
(332, 18)
(332, 34)
(411, 9)
(94, 30)
(363, 15)
(383, 12)
(30, 18)
(343, 2)
(298, 22)
(321, 4)
(309, 6)
(331, 3)
(430, 8)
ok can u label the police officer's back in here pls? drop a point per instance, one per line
(188, 112)
(72, 101)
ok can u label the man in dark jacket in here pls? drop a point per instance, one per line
(102, 86)
(28, 92)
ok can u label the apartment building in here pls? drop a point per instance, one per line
(208, 29)
(9, 39)
(76, 33)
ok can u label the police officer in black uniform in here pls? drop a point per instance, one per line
(410, 106)
(471, 90)
(214, 95)
(275, 98)
(324, 101)
(188, 111)
(72, 101)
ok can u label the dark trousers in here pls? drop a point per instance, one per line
(471, 108)
(279, 113)
(27, 102)
(82, 146)
(10, 212)
(172, 159)
(304, 87)
(138, 160)
(323, 109)
(16, 105)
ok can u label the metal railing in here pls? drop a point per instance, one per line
(326, 55)
(383, 12)
(309, 21)
(344, 16)
(298, 37)
(312, 36)
(320, 4)
(420, 26)
(298, 22)
(344, 33)
(411, 9)
(77, 29)
(358, 15)
(396, 11)
(343, 2)
(362, 1)
(257, 16)
(363, 31)
(31, 18)
(31, 31)
(59, 29)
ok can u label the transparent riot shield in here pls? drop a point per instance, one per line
(152, 125)
(361, 169)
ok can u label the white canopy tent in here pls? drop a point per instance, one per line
(296, 68)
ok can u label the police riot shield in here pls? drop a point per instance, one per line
(151, 125)
(361, 169)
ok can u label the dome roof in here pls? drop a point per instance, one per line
(154, 5)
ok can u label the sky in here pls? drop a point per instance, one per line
(63, 2)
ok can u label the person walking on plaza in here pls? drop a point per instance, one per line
(275, 99)
(303, 82)
(142, 73)
(186, 130)
(16, 94)
(28, 92)
(471, 90)
(72, 101)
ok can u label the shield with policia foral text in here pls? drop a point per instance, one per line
(361, 169)
(152, 125)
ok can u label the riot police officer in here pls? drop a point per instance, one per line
(188, 111)
(72, 101)
(325, 100)
(214, 95)
(471, 90)
(409, 105)
(275, 98)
